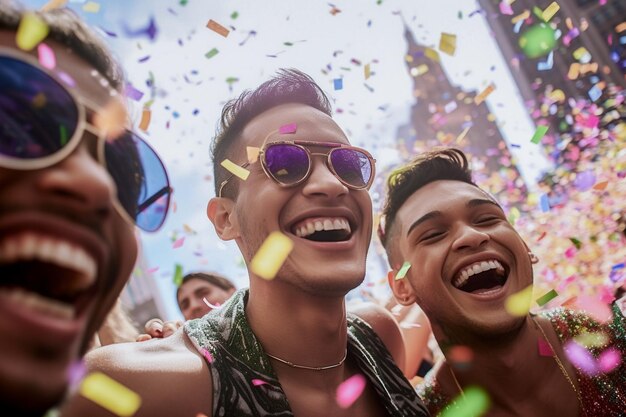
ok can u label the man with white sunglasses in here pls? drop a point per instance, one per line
(72, 187)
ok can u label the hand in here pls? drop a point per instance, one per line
(157, 329)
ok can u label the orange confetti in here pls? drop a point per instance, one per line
(484, 94)
(146, 115)
(217, 28)
(600, 186)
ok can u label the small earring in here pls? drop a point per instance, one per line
(533, 258)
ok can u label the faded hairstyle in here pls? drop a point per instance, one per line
(287, 86)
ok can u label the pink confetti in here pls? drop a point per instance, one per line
(75, 373)
(213, 306)
(350, 390)
(544, 348)
(609, 360)
(595, 307)
(207, 355)
(47, 59)
(178, 243)
(581, 358)
(257, 382)
(505, 8)
(153, 270)
(288, 128)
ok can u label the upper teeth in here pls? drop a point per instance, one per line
(310, 226)
(477, 268)
(31, 246)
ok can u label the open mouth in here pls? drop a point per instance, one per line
(323, 229)
(46, 275)
(481, 277)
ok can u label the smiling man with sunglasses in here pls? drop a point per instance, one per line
(285, 345)
(69, 196)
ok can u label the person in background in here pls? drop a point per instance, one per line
(463, 260)
(73, 184)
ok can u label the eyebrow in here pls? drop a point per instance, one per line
(434, 214)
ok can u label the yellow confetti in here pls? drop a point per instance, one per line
(53, 4)
(447, 43)
(271, 255)
(31, 32)
(550, 11)
(579, 53)
(484, 94)
(110, 394)
(432, 54)
(146, 115)
(522, 16)
(518, 304)
(367, 71)
(253, 154)
(574, 71)
(235, 169)
(91, 7)
(461, 136)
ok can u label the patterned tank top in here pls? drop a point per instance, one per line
(244, 383)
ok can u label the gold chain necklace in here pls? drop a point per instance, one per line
(311, 368)
(556, 359)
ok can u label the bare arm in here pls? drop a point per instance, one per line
(416, 331)
(169, 375)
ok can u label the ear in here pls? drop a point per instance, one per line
(221, 212)
(401, 288)
(531, 255)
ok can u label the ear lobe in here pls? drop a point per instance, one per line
(221, 212)
(401, 288)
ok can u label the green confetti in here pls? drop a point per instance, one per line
(231, 80)
(178, 275)
(543, 300)
(234, 15)
(211, 53)
(63, 134)
(539, 134)
(183, 2)
(402, 272)
(538, 12)
(576, 242)
(473, 402)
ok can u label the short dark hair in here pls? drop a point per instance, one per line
(437, 164)
(214, 279)
(287, 86)
(67, 28)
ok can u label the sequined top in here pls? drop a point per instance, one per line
(602, 395)
(245, 384)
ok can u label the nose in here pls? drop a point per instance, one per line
(322, 182)
(469, 237)
(80, 183)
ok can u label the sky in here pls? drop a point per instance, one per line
(189, 89)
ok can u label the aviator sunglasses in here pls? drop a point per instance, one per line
(42, 122)
(289, 163)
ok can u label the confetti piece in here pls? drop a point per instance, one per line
(539, 134)
(338, 84)
(31, 32)
(518, 304)
(609, 360)
(403, 270)
(207, 355)
(178, 275)
(484, 94)
(460, 356)
(271, 255)
(132, 93)
(110, 394)
(594, 307)
(211, 53)
(178, 243)
(217, 28)
(258, 382)
(252, 153)
(432, 54)
(46, 56)
(447, 43)
(146, 115)
(208, 303)
(544, 203)
(112, 118)
(76, 373)
(472, 403)
(91, 7)
(550, 11)
(350, 390)
(537, 41)
(544, 347)
(235, 169)
(234, 15)
(152, 270)
(544, 299)
(580, 357)
(367, 72)
(505, 8)
(594, 93)
(547, 64)
(288, 128)
(592, 339)
(53, 4)
(581, 54)
(521, 17)
(600, 186)
(462, 135)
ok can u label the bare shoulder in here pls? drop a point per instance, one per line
(169, 375)
(385, 326)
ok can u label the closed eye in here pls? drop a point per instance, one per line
(431, 235)
(487, 219)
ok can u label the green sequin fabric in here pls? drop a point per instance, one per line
(236, 358)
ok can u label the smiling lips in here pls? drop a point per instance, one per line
(45, 274)
(329, 229)
(482, 275)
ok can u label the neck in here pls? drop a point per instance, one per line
(297, 326)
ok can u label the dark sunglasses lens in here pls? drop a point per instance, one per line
(287, 163)
(142, 185)
(352, 166)
(37, 114)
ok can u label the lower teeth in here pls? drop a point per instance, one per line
(39, 303)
